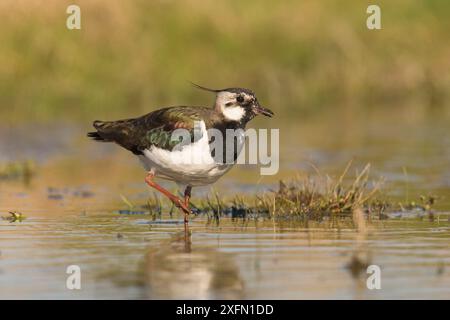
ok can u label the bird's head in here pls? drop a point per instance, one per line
(237, 104)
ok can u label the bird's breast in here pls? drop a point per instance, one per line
(197, 163)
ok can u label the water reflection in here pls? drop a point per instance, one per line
(177, 270)
(72, 206)
(229, 260)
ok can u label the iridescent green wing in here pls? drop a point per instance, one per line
(157, 128)
(169, 127)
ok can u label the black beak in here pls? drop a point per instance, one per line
(261, 110)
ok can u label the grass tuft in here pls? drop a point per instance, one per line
(322, 196)
(316, 197)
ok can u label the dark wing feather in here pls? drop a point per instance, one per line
(153, 129)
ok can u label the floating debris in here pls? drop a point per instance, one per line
(131, 212)
(61, 193)
(15, 216)
(83, 194)
(162, 222)
(425, 204)
(55, 197)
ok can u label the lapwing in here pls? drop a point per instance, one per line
(150, 138)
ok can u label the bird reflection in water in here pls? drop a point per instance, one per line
(178, 271)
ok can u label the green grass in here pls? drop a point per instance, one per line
(301, 57)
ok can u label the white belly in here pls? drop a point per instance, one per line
(191, 165)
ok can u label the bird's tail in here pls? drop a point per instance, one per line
(96, 135)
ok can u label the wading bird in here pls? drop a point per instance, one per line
(151, 138)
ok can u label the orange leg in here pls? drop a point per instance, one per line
(176, 201)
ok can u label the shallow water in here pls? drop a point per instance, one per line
(71, 207)
(123, 256)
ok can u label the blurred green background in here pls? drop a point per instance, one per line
(302, 58)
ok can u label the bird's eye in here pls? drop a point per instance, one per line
(240, 99)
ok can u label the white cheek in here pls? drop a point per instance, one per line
(234, 113)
